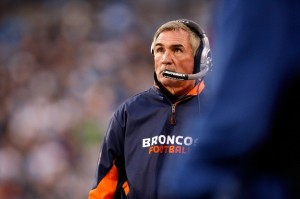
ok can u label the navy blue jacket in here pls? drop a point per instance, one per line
(146, 130)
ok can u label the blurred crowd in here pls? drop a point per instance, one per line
(64, 68)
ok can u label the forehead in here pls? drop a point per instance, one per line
(171, 37)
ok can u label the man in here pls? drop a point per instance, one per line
(147, 128)
(249, 137)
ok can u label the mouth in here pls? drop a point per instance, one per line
(173, 75)
(163, 72)
(167, 70)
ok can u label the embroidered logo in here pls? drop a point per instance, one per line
(168, 144)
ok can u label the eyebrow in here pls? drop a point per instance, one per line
(172, 46)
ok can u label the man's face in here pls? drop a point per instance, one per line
(173, 51)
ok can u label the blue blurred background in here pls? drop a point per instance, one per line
(64, 68)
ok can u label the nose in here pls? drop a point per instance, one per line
(166, 57)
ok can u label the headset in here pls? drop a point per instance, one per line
(203, 59)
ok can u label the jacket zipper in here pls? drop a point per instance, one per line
(173, 110)
(173, 106)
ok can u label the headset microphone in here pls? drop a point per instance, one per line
(174, 75)
(181, 76)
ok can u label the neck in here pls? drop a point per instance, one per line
(179, 91)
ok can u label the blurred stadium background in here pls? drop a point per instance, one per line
(64, 68)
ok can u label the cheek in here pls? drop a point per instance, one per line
(188, 65)
(157, 64)
(156, 59)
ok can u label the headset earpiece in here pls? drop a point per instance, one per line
(203, 60)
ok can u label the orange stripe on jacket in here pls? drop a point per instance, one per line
(126, 188)
(107, 186)
(197, 89)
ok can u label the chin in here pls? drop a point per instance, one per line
(168, 82)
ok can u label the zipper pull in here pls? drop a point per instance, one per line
(173, 109)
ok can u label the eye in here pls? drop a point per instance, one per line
(177, 50)
(158, 50)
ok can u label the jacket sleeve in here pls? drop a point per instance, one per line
(111, 170)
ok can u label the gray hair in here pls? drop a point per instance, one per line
(176, 25)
